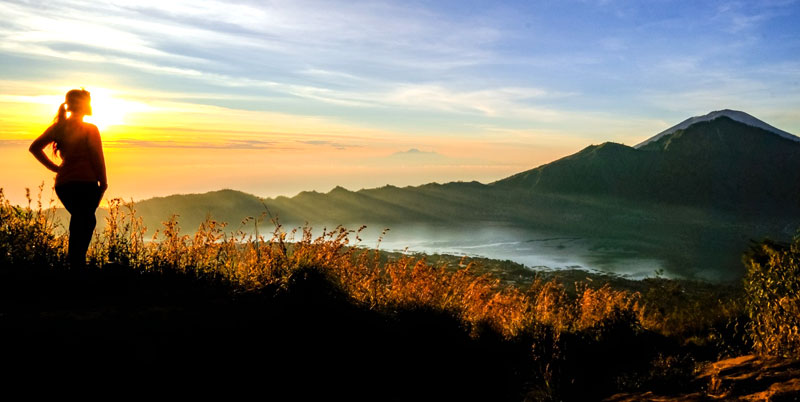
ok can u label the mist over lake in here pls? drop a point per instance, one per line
(538, 250)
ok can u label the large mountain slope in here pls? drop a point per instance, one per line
(720, 164)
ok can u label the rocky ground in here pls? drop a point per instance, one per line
(744, 378)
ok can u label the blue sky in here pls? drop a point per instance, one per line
(549, 77)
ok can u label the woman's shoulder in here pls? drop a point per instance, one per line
(90, 127)
(90, 130)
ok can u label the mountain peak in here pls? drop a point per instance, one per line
(607, 146)
(339, 189)
(734, 115)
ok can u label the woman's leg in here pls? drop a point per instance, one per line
(81, 200)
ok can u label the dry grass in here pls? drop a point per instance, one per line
(773, 298)
(253, 261)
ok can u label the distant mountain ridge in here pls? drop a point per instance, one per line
(693, 195)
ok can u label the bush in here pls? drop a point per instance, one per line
(772, 286)
(28, 233)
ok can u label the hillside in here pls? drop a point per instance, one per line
(720, 164)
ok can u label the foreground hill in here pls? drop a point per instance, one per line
(175, 331)
(692, 196)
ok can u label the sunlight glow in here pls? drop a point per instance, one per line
(109, 110)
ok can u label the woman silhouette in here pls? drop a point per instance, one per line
(81, 177)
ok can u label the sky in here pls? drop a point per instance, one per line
(276, 97)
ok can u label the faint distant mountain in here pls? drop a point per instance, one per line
(693, 195)
(416, 157)
(414, 152)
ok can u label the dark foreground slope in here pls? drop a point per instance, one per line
(144, 332)
(306, 342)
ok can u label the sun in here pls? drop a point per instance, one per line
(107, 110)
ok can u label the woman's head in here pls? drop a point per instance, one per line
(78, 102)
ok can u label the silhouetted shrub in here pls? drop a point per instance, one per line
(28, 233)
(772, 286)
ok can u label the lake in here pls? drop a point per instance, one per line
(536, 250)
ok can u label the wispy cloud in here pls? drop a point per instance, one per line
(490, 102)
(310, 32)
(194, 144)
(746, 16)
(415, 157)
(333, 144)
(276, 48)
(372, 61)
(14, 143)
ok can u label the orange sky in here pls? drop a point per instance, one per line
(156, 148)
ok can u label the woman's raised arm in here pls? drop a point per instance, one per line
(37, 149)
